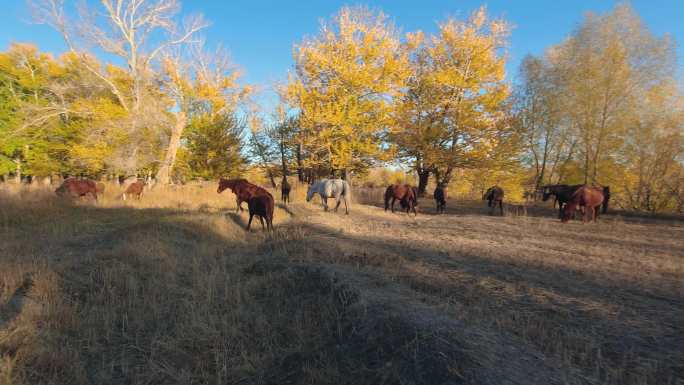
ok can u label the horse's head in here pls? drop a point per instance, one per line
(487, 193)
(546, 193)
(568, 211)
(224, 184)
(309, 193)
(61, 190)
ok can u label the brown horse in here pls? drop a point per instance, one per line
(77, 188)
(406, 195)
(494, 195)
(134, 189)
(285, 191)
(261, 205)
(440, 196)
(588, 199)
(563, 193)
(242, 189)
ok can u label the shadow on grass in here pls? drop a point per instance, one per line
(564, 323)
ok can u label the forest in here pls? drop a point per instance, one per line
(139, 92)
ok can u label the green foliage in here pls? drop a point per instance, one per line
(212, 147)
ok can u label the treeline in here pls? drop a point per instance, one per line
(602, 107)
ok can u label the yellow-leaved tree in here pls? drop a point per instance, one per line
(344, 82)
(454, 111)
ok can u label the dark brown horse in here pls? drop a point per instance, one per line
(606, 198)
(563, 193)
(285, 191)
(588, 198)
(440, 196)
(261, 205)
(134, 189)
(77, 188)
(242, 189)
(405, 194)
(494, 195)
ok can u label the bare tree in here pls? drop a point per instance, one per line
(137, 31)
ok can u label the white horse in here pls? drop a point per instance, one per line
(331, 188)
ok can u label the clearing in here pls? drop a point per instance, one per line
(171, 289)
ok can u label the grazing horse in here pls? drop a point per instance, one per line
(440, 196)
(77, 188)
(406, 195)
(586, 197)
(285, 191)
(331, 188)
(242, 189)
(134, 189)
(261, 205)
(562, 194)
(494, 195)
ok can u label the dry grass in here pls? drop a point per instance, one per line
(171, 289)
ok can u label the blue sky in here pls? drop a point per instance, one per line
(260, 34)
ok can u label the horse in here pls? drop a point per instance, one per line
(587, 198)
(494, 195)
(406, 195)
(440, 196)
(562, 194)
(285, 191)
(331, 188)
(134, 189)
(242, 189)
(606, 198)
(77, 188)
(261, 205)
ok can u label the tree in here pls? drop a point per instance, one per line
(212, 147)
(131, 30)
(204, 90)
(603, 69)
(454, 113)
(345, 79)
(653, 152)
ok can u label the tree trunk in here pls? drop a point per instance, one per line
(447, 176)
(164, 174)
(300, 169)
(423, 178)
(283, 160)
(17, 171)
(271, 178)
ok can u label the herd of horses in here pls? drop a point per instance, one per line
(260, 203)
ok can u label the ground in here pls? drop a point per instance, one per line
(171, 289)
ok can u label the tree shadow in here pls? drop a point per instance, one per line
(556, 303)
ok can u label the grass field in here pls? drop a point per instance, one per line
(172, 290)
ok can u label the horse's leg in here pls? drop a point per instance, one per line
(338, 203)
(261, 219)
(325, 203)
(249, 223)
(393, 200)
(501, 207)
(346, 208)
